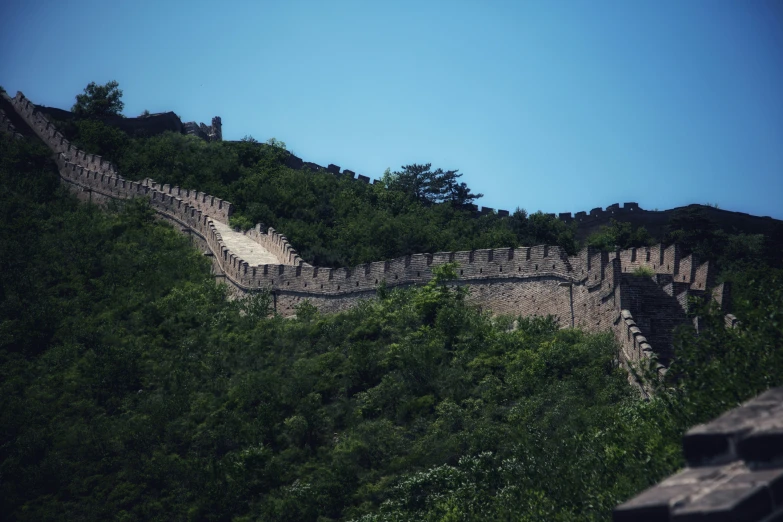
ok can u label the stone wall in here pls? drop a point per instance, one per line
(593, 290)
(214, 207)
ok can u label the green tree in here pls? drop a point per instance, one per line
(99, 100)
(619, 235)
(427, 186)
(272, 142)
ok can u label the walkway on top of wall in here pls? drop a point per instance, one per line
(244, 247)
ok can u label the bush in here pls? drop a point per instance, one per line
(241, 222)
(99, 100)
(645, 271)
(619, 235)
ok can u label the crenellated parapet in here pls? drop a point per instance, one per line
(170, 206)
(487, 264)
(612, 211)
(661, 259)
(49, 134)
(638, 293)
(213, 206)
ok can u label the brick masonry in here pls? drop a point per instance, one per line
(595, 291)
(734, 472)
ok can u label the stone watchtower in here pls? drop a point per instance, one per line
(216, 131)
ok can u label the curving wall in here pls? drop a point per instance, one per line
(593, 290)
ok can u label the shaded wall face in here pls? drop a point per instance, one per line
(526, 298)
(151, 125)
(592, 310)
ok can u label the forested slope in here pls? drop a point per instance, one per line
(133, 390)
(336, 221)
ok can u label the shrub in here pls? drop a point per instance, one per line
(644, 271)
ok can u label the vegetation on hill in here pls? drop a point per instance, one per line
(333, 221)
(99, 100)
(134, 390)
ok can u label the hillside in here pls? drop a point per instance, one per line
(335, 219)
(136, 390)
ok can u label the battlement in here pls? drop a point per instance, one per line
(733, 470)
(634, 345)
(614, 210)
(55, 140)
(496, 264)
(597, 290)
(211, 205)
(277, 244)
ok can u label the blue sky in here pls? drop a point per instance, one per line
(553, 106)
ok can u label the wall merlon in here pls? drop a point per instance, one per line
(634, 344)
(671, 259)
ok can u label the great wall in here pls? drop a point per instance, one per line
(593, 290)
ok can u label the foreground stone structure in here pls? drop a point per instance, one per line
(595, 291)
(734, 473)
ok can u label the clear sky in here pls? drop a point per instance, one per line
(558, 106)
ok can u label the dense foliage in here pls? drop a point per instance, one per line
(134, 390)
(620, 235)
(733, 250)
(338, 222)
(333, 221)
